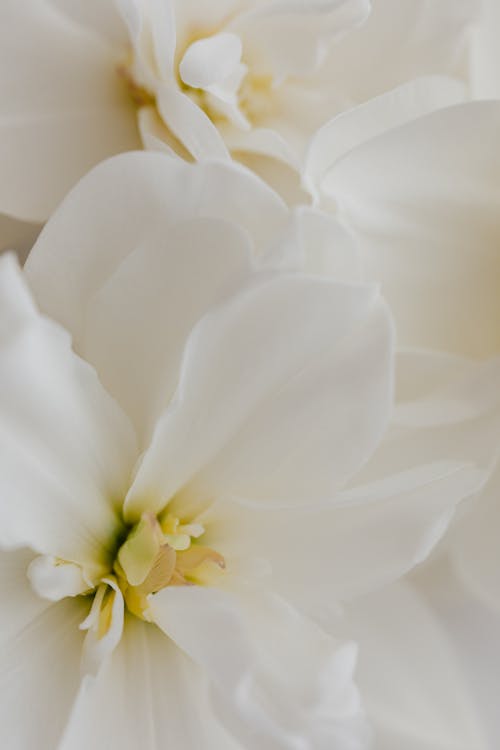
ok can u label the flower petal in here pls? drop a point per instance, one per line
(129, 198)
(59, 117)
(268, 688)
(84, 272)
(367, 537)
(149, 695)
(290, 37)
(295, 430)
(400, 41)
(386, 111)
(135, 333)
(66, 449)
(20, 605)
(40, 677)
(474, 545)
(189, 123)
(426, 210)
(416, 692)
(211, 60)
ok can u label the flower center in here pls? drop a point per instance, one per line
(160, 552)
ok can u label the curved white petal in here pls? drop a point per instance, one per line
(290, 37)
(211, 60)
(426, 209)
(53, 579)
(135, 333)
(283, 392)
(475, 547)
(59, 115)
(386, 111)
(317, 243)
(40, 677)
(149, 695)
(400, 41)
(190, 125)
(310, 434)
(130, 198)
(279, 682)
(66, 448)
(97, 646)
(365, 538)
(416, 691)
(20, 605)
(151, 29)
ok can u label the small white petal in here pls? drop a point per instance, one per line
(210, 60)
(98, 646)
(53, 579)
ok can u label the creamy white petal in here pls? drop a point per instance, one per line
(400, 41)
(416, 691)
(269, 690)
(129, 199)
(97, 646)
(365, 538)
(193, 128)
(40, 677)
(54, 579)
(290, 37)
(386, 111)
(426, 209)
(475, 546)
(135, 333)
(315, 242)
(60, 116)
(66, 448)
(267, 400)
(149, 695)
(20, 605)
(210, 60)
(310, 434)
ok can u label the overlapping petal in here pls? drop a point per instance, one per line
(149, 695)
(66, 448)
(426, 209)
(303, 358)
(270, 690)
(40, 676)
(60, 115)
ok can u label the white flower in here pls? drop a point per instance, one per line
(84, 79)
(236, 392)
